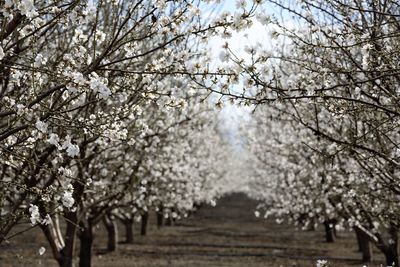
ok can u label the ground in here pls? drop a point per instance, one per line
(226, 235)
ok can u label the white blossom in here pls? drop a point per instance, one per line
(263, 18)
(46, 220)
(27, 8)
(42, 250)
(1, 53)
(67, 199)
(11, 140)
(241, 4)
(54, 139)
(35, 215)
(8, 3)
(71, 149)
(322, 263)
(20, 109)
(224, 56)
(40, 60)
(365, 51)
(98, 86)
(41, 126)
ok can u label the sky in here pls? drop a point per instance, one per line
(232, 116)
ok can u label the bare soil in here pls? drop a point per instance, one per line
(226, 235)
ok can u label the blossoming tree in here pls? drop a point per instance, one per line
(335, 71)
(79, 80)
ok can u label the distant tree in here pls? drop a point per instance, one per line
(82, 83)
(336, 71)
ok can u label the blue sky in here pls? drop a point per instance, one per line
(232, 116)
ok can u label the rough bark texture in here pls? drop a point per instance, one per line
(168, 221)
(160, 217)
(112, 233)
(62, 250)
(364, 244)
(390, 248)
(68, 251)
(145, 218)
(329, 233)
(128, 231)
(392, 256)
(86, 240)
(358, 240)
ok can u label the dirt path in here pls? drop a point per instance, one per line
(226, 235)
(230, 235)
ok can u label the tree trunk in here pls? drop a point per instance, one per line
(173, 218)
(62, 250)
(335, 233)
(112, 233)
(359, 240)
(160, 217)
(169, 221)
(128, 231)
(391, 255)
(364, 245)
(68, 250)
(329, 234)
(86, 239)
(391, 250)
(145, 218)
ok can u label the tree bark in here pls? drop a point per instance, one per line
(112, 233)
(335, 233)
(169, 221)
(86, 240)
(391, 250)
(358, 240)
(364, 244)
(392, 256)
(56, 228)
(68, 250)
(160, 217)
(62, 251)
(329, 234)
(128, 231)
(145, 218)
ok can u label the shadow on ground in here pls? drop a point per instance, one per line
(226, 235)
